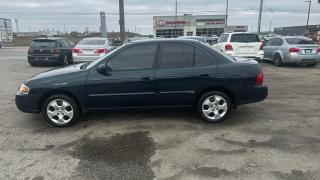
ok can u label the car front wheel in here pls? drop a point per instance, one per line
(214, 106)
(60, 111)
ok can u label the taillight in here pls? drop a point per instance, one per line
(55, 51)
(259, 80)
(294, 50)
(101, 50)
(261, 47)
(318, 49)
(228, 47)
(76, 50)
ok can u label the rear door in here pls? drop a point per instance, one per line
(245, 43)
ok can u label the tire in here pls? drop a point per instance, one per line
(60, 111)
(65, 61)
(216, 112)
(32, 64)
(277, 60)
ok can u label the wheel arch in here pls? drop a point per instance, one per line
(219, 89)
(56, 92)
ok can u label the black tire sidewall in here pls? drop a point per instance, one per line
(277, 60)
(74, 105)
(204, 96)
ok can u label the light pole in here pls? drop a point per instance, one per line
(260, 15)
(307, 29)
(227, 9)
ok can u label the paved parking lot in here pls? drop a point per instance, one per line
(275, 139)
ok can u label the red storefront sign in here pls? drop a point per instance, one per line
(164, 22)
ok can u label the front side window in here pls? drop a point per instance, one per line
(176, 55)
(134, 57)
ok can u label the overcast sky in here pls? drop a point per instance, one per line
(79, 14)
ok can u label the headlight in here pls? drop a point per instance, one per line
(23, 89)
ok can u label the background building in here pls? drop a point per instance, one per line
(6, 35)
(188, 25)
(237, 28)
(297, 30)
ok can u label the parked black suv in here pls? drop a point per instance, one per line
(50, 50)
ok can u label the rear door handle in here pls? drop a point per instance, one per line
(147, 78)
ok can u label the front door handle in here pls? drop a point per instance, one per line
(147, 78)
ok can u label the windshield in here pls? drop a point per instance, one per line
(299, 41)
(92, 42)
(244, 38)
(43, 43)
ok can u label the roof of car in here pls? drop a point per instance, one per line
(50, 38)
(157, 40)
(240, 33)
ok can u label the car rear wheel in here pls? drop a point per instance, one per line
(214, 106)
(277, 61)
(60, 111)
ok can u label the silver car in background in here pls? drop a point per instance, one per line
(292, 49)
(90, 49)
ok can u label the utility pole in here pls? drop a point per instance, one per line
(307, 29)
(227, 9)
(122, 25)
(103, 24)
(17, 26)
(175, 19)
(260, 15)
(270, 26)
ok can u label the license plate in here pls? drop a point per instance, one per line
(308, 51)
(87, 52)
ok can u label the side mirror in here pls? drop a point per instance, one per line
(104, 69)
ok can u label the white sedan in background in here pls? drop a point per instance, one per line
(90, 49)
(241, 44)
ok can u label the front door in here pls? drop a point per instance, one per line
(130, 84)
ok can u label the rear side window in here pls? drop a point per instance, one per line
(43, 43)
(176, 55)
(246, 38)
(224, 38)
(135, 57)
(92, 42)
(202, 58)
(299, 41)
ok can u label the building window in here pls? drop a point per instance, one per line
(209, 31)
(169, 33)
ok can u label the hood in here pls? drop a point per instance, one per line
(58, 71)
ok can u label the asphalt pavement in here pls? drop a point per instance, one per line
(278, 138)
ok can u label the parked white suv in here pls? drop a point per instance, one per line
(241, 44)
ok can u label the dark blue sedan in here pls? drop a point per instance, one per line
(146, 74)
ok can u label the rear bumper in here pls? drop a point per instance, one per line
(51, 59)
(252, 94)
(27, 103)
(301, 59)
(79, 58)
(256, 56)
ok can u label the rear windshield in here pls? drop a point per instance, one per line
(92, 42)
(244, 38)
(299, 41)
(43, 43)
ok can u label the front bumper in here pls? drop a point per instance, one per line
(27, 103)
(252, 94)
